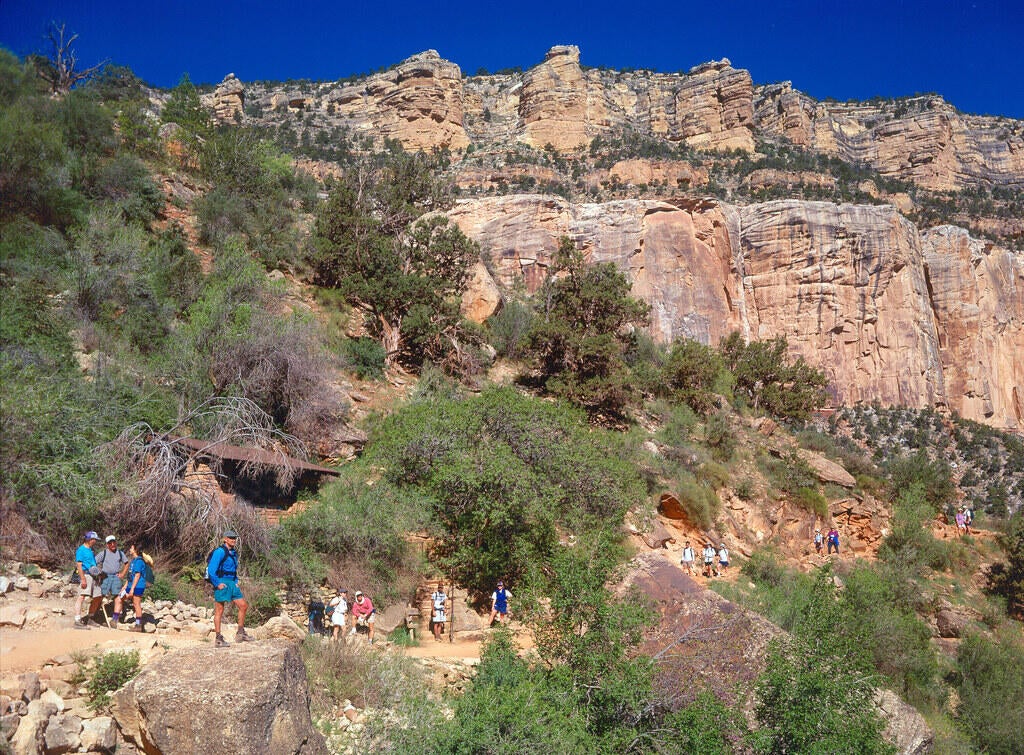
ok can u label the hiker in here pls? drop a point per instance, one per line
(961, 523)
(85, 565)
(222, 571)
(114, 564)
(315, 611)
(968, 518)
(723, 559)
(709, 560)
(499, 603)
(439, 603)
(687, 559)
(339, 616)
(135, 587)
(362, 614)
(833, 541)
(819, 541)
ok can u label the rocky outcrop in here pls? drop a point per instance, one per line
(921, 139)
(885, 311)
(977, 295)
(227, 101)
(418, 102)
(700, 641)
(249, 698)
(553, 102)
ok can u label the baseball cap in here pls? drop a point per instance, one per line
(358, 593)
(231, 533)
(110, 539)
(91, 535)
(342, 589)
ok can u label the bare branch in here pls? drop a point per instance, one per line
(60, 68)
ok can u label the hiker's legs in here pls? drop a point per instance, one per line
(95, 603)
(218, 611)
(242, 608)
(137, 604)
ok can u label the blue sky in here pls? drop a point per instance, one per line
(970, 52)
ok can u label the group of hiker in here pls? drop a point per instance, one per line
(964, 520)
(829, 541)
(710, 556)
(110, 573)
(337, 611)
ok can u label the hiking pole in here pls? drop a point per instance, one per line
(451, 619)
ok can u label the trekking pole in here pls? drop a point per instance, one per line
(451, 619)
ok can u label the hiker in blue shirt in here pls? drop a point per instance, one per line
(499, 603)
(222, 571)
(135, 586)
(88, 585)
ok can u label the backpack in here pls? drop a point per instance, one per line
(148, 573)
(209, 577)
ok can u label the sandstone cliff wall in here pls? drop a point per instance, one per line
(424, 102)
(924, 140)
(888, 313)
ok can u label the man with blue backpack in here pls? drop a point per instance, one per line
(222, 573)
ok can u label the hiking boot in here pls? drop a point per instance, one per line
(80, 624)
(136, 628)
(241, 636)
(220, 642)
(112, 624)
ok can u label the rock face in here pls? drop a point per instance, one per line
(553, 103)
(977, 295)
(923, 139)
(890, 314)
(249, 698)
(701, 636)
(227, 101)
(418, 102)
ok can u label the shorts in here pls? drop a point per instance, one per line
(139, 589)
(230, 592)
(723, 563)
(338, 618)
(364, 621)
(439, 617)
(91, 589)
(112, 585)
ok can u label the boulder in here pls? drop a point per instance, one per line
(30, 687)
(904, 726)
(12, 616)
(21, 583)
(670, 506)
(827, 470)
(5, 585)
(657, 536)
(280, 628)
(390, 618)
(61, 734)
(51, 697)
(8, 725)
(28, 737)
(98, 734)
(248, 697)
(950, 623)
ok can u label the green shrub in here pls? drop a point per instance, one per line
(111, 672)
(934, 476)
(689, 375)
(678, 424)
(745, 489)
(715, 475)
(365, 357)
(990, 679)
(719, 436)
(699, 501)
(508, 328)
(812, 500)
(162, 589)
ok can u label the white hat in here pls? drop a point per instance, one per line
(110, 539)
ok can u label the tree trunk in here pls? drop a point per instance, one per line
(391, 339)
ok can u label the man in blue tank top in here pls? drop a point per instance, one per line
(499, 603)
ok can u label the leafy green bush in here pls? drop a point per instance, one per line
(678, 421)
(498, 475)
(934, 476)
(365, 357)
(990, 679)
(162, 589)
(111, 672)
(690, 373)
(508, 329)
(719, 436)
(911, 544)
(698, 500)
(1006, 578)
(812, 500)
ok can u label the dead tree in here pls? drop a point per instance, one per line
(60, 69)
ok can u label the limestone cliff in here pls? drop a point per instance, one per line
(424, 102)
(890, 314)
(923, 139)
